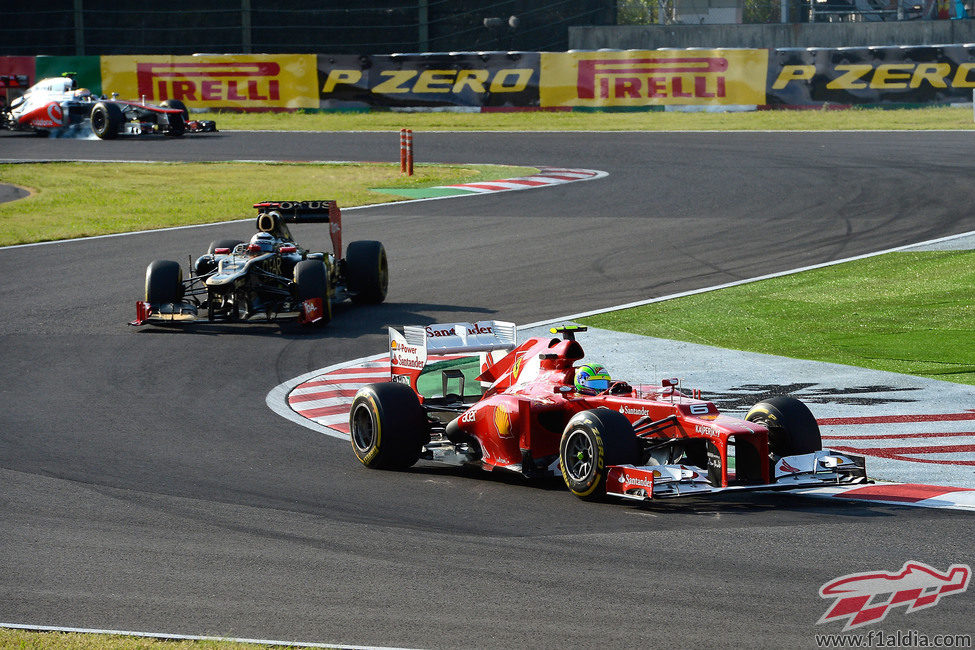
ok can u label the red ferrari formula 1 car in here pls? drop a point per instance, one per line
(522, 408)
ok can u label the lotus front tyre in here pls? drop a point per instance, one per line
(164, 283)
(311, 276)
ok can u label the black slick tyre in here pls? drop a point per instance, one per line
(792, 428)
(387, 426)
(311, 277)
(164, 282)
(592, 441)
(223, 243)
(367, 270)
(106, 120)
(176, 126)
(175, 103)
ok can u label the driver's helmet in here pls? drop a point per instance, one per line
(591, 378)
(82, 93)
(262, 242)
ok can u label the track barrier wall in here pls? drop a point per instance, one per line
(667, 79)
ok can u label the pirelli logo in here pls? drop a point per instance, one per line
(652, 78)
(256, 81)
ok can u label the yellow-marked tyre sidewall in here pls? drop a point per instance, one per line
(613, 442)
(368, 402)
(590, 488)
(398, 426)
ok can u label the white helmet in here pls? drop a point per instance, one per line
(263, 242)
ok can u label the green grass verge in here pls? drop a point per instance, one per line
(26, 640)
(866, 119)
(84, 199)
(911, 313)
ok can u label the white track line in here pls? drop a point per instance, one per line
(165, 636)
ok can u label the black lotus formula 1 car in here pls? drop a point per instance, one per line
(269, 276)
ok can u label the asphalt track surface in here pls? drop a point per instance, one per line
(145, 485)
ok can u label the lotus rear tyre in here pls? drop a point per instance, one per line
(387, 426)
(367, 270)
(592, 441)
(223, 243)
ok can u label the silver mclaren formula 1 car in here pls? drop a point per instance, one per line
(57, 105)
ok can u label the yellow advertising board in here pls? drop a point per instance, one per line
(654, 78)
(242, 81)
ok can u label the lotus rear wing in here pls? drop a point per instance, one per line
(410, 349)
(273, 217)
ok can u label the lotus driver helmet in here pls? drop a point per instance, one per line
(591, 378)
(262, 242)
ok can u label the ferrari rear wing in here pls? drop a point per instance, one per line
(409, 349)
(273, 217)
(13, 81)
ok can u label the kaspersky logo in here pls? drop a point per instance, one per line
(209, 82)
(650, 78)
(865, 598)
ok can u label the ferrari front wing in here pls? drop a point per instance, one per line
(819, 468)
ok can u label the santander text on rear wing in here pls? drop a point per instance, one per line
(410, 349)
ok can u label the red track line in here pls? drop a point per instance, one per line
(892, 419)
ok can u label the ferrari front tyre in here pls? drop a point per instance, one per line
(164, 282)
(311, 276)
(387, 425)
(106, 120)
(592, 441)
(792, 429)
(367, 271)
(175, 103)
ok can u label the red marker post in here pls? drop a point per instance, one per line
(406, 151)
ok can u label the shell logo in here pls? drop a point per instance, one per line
(393, 345)
(516, 369)
(502, 421)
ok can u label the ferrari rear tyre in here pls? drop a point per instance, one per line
(367, 271)
(164, 282)
(387, 425)
(792, 428)
(106, 120)
(223, 243)
(592, 441)
(311, 276)
(175, 103)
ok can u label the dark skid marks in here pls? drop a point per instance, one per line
(741, 398)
